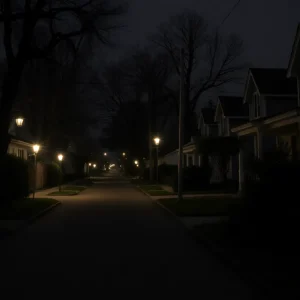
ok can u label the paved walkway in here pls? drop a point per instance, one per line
(111, 240)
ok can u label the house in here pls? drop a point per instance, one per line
(274, 116)
(21, 144)
(230, 112)
(206, 127)
(206, 124)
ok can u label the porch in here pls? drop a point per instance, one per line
(267, 134)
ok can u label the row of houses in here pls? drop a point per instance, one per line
(265, 116)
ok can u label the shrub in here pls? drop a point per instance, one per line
(166, 172)
(54, 174)
(15, 178)
(194, 178)
(270, 209)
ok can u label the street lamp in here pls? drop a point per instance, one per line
(105, 154)
(124, 154)
(94, 166)
(88, 168)
(156, 142)
(60, 158)
(136, 162)
(19, 121)
(36, 149)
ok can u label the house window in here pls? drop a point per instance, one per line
(256, 104)
(21, 153)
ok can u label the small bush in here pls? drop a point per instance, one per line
(194, 179)
(54, 175)
(15, 179)
(166, 172)
(271, 206)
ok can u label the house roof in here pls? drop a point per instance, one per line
(234, 106)
(294, 53)
(274, 81)
(208, 115)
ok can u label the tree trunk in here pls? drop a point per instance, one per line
(9, 92)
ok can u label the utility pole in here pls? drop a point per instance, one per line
(181, 126)
(150, 117)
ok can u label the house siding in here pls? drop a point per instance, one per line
(171, 158)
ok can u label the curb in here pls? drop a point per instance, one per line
(42, 213)
(234, 267)
(24, 224)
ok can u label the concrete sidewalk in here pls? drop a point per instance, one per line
(113, 239)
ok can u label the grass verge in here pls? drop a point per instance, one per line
(74, 188)
(202, 206)
(25, 209)
(64, 193)
(270, 273)
(154, 190)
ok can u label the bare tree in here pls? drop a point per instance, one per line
(210, 60)
(34, 29)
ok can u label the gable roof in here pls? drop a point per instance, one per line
(294, 53)
(233, 106)
(274, 81)
(208, 115)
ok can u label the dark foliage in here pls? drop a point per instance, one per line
(15, 179)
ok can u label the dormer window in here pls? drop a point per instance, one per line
(256, 105)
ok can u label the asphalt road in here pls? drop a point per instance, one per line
(112, 241)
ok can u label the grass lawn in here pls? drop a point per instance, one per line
(79, 188)
(26, 208)
(202, 206)
(268, 271)
(64, 193)
(154, 190)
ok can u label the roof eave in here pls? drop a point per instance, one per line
(290, 70)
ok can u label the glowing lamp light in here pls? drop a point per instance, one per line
(105, 154)
(36, 148)
(19, 121)
(60, 157)
(136, 162)
(94, 165)
(156, 141)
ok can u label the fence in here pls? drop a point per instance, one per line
(41, 175)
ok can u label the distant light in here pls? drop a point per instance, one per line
(94, 165)
(90, 164)
(123, 153)
(36, 148)
(60, 157)
(105, 153)
(19, 121)
(136, 162)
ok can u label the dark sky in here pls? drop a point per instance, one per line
(267, 26)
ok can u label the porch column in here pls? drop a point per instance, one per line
(195, 161)
(259, 144)
(241, 171)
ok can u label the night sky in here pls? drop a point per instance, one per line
(267, 26)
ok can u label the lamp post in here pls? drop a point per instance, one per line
(88, 169)
(60, 158)
(156, 142)
(36, 149)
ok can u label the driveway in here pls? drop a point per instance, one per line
(108, 241)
